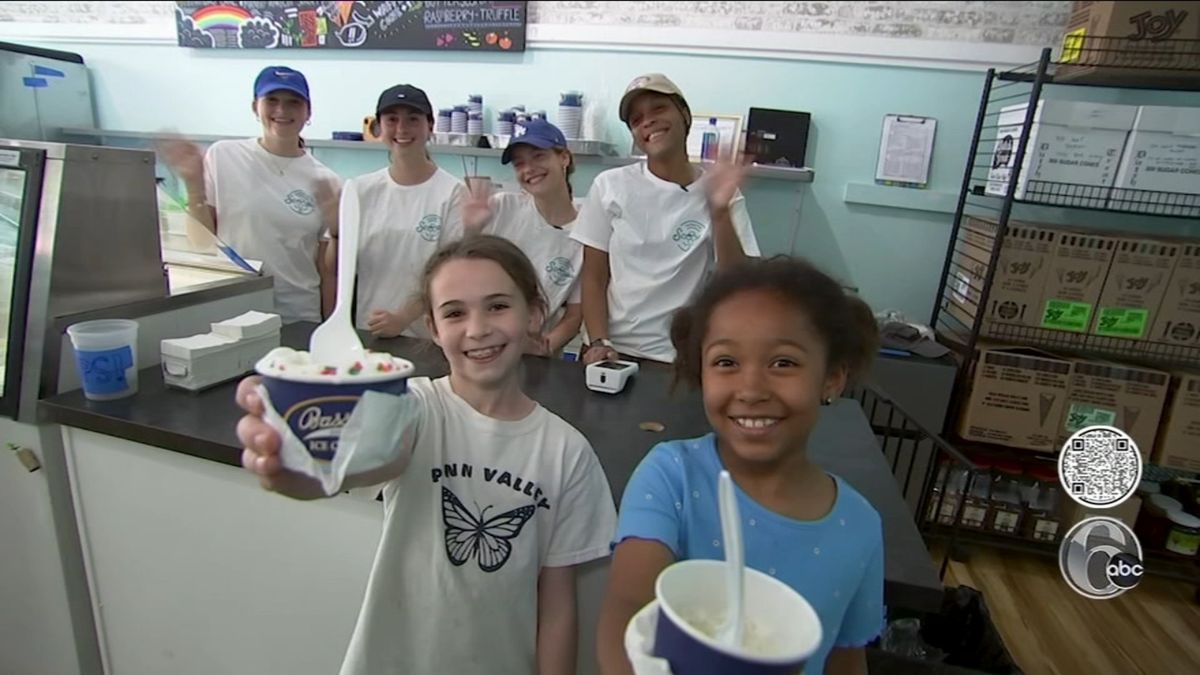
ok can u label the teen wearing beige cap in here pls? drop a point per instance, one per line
(653, 231)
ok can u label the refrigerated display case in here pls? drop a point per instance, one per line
(78, 232)
(17, 225)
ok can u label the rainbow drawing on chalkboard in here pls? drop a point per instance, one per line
(222, 22)
(220, 16)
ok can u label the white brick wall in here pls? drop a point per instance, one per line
(1018, 23)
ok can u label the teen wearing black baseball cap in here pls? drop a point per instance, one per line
(409, 209)
(665, 222)
(267, 197)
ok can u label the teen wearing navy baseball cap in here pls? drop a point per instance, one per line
(281, 78)
(267, 196)
(404, 96)
(676, 222)
(538, 219)
(409, 209)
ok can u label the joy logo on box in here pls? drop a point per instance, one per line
(1155, 27)
(318, 423)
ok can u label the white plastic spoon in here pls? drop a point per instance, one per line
(731, 532)
(335, 341)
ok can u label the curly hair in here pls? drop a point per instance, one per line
(843, 321)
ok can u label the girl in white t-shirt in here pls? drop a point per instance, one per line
(267, 197)
(491, 502)
(653, 231)
(409, 209)
(538, 220)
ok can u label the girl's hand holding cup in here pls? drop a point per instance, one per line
(260, 441)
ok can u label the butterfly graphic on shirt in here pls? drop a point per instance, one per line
(487, 540)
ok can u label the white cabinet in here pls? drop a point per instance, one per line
(197, 570)
(36, 636)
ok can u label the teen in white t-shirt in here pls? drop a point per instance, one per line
(655, 230)
(538, 219)
(489, 504)
(267, 197)
(409, 209)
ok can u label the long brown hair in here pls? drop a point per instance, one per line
(570, 169)
(499, 250)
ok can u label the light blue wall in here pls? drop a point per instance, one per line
(893, 256)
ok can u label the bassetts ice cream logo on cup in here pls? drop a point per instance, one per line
(319, 422)
(316, 400)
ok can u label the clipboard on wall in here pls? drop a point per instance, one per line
(905, 151)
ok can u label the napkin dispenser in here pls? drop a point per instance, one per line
(229, 351)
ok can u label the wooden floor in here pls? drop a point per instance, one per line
(1048, 628)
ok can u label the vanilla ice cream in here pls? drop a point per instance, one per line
(298, 366)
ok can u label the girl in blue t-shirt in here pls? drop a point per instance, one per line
(769, 342)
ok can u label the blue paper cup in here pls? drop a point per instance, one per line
(106, 355)
(783, 632)
(316, 407)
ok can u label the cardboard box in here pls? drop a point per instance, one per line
(1016, 294)
(1127, 397)
(1131, 43)
(1134, 288)
(1178, 320)
(1072, 156)
(1079, 265)
(1179, 440)
(1161, 155)
(1017, 398)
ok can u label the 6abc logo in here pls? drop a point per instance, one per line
(1101, 558)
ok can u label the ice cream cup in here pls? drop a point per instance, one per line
(782, 630)
(316, 401)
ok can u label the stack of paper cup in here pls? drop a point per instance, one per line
(443, 120)
(570, 113)
(504, 122)
(475, 103)
(475, 122)
(458, 120)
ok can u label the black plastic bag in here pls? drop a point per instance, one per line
(963, 629)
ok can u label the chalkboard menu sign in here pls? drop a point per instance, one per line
(474, 26)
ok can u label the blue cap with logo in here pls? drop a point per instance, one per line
(274, 78)
(538, 133)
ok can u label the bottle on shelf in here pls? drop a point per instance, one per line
(1044, 519)
(710, 144)
(1184, 536)
(1008, 510)
(977, 511)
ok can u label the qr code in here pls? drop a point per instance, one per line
(1100, 466)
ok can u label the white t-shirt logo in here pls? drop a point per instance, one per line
(300, 201)
(483, 538)
(430, 227)
(687, 234)
(560, 271)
